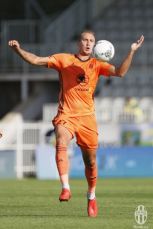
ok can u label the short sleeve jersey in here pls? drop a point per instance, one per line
(78, 81)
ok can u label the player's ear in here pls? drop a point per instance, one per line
(95, 43)
(79, 44)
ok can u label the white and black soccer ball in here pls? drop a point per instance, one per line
(104, 50)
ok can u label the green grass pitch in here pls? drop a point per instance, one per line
(31, 203)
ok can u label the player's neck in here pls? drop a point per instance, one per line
(82, 57)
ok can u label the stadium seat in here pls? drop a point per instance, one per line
(119, 102)
(146, 103)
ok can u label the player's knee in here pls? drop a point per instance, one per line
(90, 163)
(61, 142)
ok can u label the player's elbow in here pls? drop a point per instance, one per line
(120, 73)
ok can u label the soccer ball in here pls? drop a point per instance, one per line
(104, 50)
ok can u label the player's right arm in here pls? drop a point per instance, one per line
(28, 56)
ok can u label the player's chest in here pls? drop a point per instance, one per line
(80, 72)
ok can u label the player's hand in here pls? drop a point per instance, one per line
(137, 44)
(14, 44)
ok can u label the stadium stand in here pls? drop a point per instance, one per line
(121, 22)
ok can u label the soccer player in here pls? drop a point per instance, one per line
(78, 75)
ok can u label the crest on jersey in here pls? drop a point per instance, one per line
(82, 79)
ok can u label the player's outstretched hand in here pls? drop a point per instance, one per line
(137, 44)
(14, 44)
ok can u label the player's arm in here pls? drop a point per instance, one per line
(27, 56)
(124, 67)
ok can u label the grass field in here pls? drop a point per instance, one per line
(34, 204)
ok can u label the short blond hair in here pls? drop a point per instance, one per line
(86, 31)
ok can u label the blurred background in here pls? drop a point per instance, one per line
(29, 94)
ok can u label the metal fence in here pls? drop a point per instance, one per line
(24, 142)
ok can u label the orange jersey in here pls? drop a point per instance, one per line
(78, 81)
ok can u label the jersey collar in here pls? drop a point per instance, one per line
(76, 56)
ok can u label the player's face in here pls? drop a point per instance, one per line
(86, 43)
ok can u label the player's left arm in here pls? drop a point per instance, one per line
(124, 67)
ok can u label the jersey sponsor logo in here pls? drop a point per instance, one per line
(82, 89)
